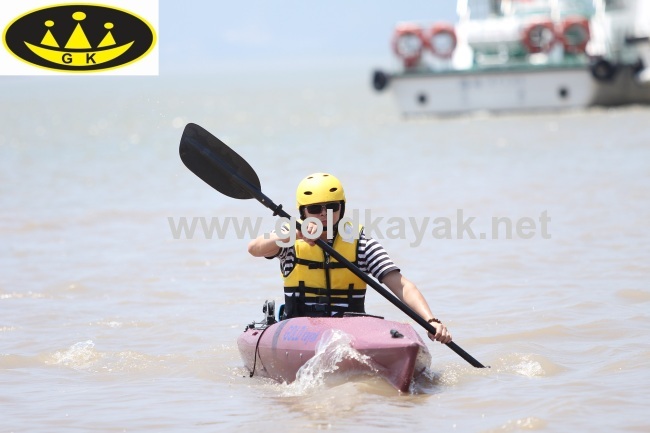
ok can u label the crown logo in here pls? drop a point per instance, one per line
(77, 50)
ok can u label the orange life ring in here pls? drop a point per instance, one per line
(408, 43)
(534, 35)
(574, 33)
(446, 31)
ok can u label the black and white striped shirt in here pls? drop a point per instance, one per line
(372, 258)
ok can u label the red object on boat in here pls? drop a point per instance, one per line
(446, 35)
(574, 34)
(393, 350)
(408, 43)
(539, 36)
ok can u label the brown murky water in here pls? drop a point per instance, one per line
(109, 322)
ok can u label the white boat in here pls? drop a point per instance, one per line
(513, 55)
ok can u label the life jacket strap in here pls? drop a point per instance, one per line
(304, 291)
(311, 264)
(340, 301)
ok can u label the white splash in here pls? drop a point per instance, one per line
(529, 368)
(80, 356)
(334, 347)
(528, 423)
(523, 364)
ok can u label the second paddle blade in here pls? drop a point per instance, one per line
(216, 164)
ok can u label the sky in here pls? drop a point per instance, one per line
(206, 35)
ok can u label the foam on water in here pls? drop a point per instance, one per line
(79, 356)
(334, 347)
(528, 423)
(84, 356)
(527, 365)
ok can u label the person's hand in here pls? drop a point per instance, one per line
(311, 229)
(442, 334)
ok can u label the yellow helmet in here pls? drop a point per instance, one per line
(319, 188)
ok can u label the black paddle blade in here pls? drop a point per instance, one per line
(216, 164)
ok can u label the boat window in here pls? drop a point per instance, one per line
(530, 7)
(483, 9)
(612, 5)
(577, 7)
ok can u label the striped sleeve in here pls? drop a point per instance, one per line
(287, 255)
(373, 258)
(287, 258)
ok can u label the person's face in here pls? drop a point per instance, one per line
(320, 210)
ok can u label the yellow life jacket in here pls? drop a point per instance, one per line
(318, 285)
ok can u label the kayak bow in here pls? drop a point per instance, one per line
(389, 349)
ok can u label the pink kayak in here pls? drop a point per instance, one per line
(390, 349)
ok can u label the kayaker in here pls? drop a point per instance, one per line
(317, 285)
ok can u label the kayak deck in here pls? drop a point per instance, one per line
(390, 349)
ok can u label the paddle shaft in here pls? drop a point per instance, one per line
(277, 210)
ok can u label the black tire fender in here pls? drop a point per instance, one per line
(380, 80)
(603, 70)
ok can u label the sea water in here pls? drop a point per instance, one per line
(111, 322)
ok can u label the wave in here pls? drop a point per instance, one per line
(323, 369)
